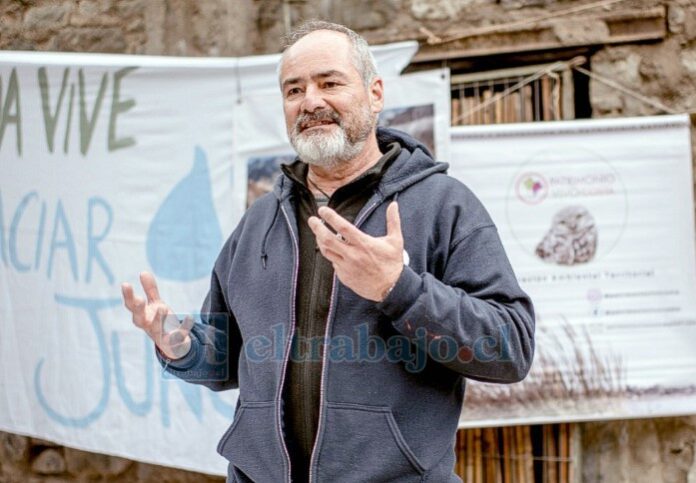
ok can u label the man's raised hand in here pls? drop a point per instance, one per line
(368, 265)
(157, 319)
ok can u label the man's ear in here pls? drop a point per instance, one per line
(376, 93)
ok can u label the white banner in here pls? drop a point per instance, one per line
(110, 165)
(597, 219)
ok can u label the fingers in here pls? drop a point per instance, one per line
(178, 336)
(175, 339)
(341, 225)
(133, 303)
(394, 221)
(127, 292)
(326, 239)
(150, 286)
(178, 341)
(177, 344)
(155, 326)
(153, 316)
(331, 255)
(187, 324)
(168, 322)
(181, 328)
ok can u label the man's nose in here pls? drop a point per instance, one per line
(313, 99)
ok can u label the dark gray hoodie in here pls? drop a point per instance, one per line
(393, 372)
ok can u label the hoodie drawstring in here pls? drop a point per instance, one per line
(264, 255)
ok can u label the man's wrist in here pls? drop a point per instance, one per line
(407, 289)
(386, 293)
(388, 290)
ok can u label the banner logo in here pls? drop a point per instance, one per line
(531, 188)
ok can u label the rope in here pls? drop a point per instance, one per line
(523, 456)
(433, 39)
(527, 80)
(550, 71)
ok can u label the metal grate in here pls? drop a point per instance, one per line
(528, 94)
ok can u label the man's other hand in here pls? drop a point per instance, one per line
(369, 266)
(157, 319)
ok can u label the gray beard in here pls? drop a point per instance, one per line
(326, 150)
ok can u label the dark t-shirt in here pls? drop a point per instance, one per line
(313, 297)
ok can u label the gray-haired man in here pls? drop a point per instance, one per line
(349, 322)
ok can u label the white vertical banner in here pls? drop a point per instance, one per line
(106, 170)
(597, 218)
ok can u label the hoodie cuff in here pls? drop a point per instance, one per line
(403, 295)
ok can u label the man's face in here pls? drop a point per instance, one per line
(329, 113)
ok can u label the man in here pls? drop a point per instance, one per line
(347, 321)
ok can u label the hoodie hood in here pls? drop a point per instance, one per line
(414, 163)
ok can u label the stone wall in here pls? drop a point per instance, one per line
(33, 460)
(663, 68)
(639, 451)
(171, 27)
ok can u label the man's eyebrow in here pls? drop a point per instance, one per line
(292, 80)
(329, 73)
(318, 75)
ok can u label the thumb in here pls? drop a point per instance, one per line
(394, 221)
(187, 324)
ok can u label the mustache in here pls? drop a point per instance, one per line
(316, 116)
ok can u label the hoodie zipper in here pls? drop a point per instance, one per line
(329, 319)
(279, 396)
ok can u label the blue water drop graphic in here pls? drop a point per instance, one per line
(184, 237)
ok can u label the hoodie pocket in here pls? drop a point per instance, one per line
(251, 444)
(364, 443)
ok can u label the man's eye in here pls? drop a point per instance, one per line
(293, 91)
(330, 84)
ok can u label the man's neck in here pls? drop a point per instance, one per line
(330, 179)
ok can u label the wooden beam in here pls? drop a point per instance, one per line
(512, 72)
(568, 93)
(630, 25)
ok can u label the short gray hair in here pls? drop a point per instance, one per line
(362, 57)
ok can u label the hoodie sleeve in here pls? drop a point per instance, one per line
(477, 321)
(215, 340)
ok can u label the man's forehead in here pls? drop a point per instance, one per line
(315, 75)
